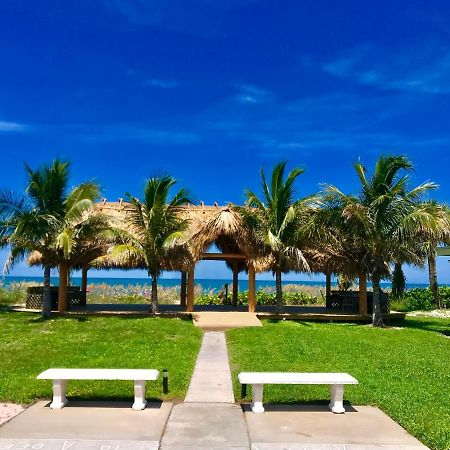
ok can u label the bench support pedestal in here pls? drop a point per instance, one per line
(139, 395)
(257, 397)
(336, 404)
(59, 394)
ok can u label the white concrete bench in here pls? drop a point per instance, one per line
(335, 380)
(60, 378)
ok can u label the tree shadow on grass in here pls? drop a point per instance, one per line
(41, 319)
(298, 322)
(442, 327)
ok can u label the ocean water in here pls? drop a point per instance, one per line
(206, 283)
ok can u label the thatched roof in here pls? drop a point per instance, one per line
(222, 226)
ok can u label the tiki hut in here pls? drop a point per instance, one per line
(221, 226)
(224, 228)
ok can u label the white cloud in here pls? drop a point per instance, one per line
(193, 17)
(136, 132)
(249, 93)
(423, 69)
(11, 126)
(163, 84)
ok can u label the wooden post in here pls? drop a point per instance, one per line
(235, 283)
(83, 293)
(190, 291)
(328, 285)
(251, 289)
(183, 293)
(362, 294)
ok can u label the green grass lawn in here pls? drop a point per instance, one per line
(29, 345)
(404, 371)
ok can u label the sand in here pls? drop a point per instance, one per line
(8, 411)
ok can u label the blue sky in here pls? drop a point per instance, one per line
(212, 91)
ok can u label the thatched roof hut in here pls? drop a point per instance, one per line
(221, 226)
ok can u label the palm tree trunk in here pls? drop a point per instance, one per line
(279, 290)
(377, 315)
(62, 290)
(432, 274)
(46, 301)
(154, 293)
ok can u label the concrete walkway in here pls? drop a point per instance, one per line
(208, 418)
(211, 381)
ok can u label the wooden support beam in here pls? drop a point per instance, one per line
(251, 289)
(222, 256)
(328, 285)
(235, 283)
(362, 294)
(183, 291)
(190, 292)
(83, 289)
(84, 271)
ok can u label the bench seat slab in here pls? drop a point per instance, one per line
(99, 374)
(296, 378)
(335, 380)
(60, 378)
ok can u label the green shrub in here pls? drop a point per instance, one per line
(13, 293)
(263, 298)
(421, 299)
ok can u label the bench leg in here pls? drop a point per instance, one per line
(257, 398)
(337, 398)
(59, 394)
(139, 395)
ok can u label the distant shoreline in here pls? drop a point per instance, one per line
(206, 283)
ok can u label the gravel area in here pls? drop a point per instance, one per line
(444, 313)
(8, 411)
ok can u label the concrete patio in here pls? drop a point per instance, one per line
(115, 426)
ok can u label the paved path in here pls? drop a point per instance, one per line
(208, 419)
(211, 381)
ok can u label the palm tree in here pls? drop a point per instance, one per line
(83, 234)
(37, 221)
(384, 220)
(154, 235)
(436, 230)
(276, 220)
